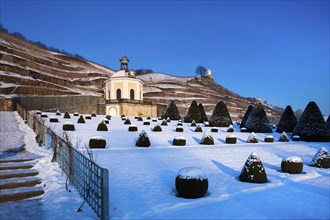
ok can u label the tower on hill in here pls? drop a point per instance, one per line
(209, 73)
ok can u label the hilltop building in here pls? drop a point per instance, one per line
(209, 73)
(124, 94)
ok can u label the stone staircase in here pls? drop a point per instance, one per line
(18, 180)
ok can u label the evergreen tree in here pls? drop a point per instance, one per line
(253, 171)
(258, 121)
(327, 123)
(246, 115)
(220, 116)
(171, 111)
(202, 112)
(193, 114)
(311, 126)
(288, 121)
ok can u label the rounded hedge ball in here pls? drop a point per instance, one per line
(179, 141)
(97, 142)
(53, 119)
(214, 129)
(68, 126)
(292, 165)
(132, 128)
(231, 139)
(269, 139)
(43, 115)
(191, 183)
(146, 123)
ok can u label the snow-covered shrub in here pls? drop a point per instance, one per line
(75, 114)
(97, 142)
(191, 182)
(148, 117)
(207, 138)
(287, 122)
(193, 124)
(132, 128)
(88, 117)
(321, 159)
(44, 115)
(157, 128)
(146, 123)
(231, 139)
(292, 165)
(68, 126)
(154, 120)
(283, 137)
(143, 140)
(179, 124)
(106, 121)
(93, 114)
(269, 139)
(127, 121)
(164, 123)
(206, 124)
(296, 138)
(252, 138)
(202, 112)
(168, 120)
(66, 115)
(230, 128)
(53, 119)
(171, 111)
(193, 114)
(311, 126)
(102, 127)
(179, 141)
(179, 129)
(246, 115)
(243, 130)
(180, 120)
(258, 121)
(253, 170)
(220, 116)
(108, 117)
(160, 118)
(214, 129)
(38, 112)
(81, 119)
(198, 129)
(123, 116)
(58, 112)
(327, 123)
(139, 119)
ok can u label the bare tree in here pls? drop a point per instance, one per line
(200, 71)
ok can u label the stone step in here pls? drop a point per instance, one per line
(5, 174)
(17, 165)
(19, 182)
(21, 193)
(15, 160)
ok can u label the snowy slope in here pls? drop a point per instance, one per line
(142, 179)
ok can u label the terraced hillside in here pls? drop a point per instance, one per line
(27, 69)
(161, 88)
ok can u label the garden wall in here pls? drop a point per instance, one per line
(78, 103)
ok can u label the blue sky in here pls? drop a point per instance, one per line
(276, 50)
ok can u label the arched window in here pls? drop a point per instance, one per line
(118, 94)
(131, 94)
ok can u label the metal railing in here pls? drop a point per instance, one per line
(91, 180)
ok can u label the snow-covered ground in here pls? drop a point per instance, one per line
(56, 202)
(142, 180)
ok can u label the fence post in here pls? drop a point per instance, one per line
(105, 194)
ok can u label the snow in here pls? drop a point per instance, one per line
(159, 77)
(180, 137)
(142, 180)
(191, 173)
(293, 159)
